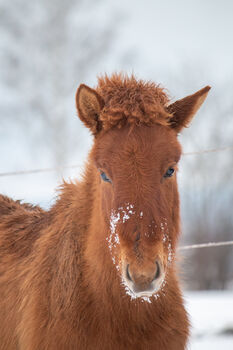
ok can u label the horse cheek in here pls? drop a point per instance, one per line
(106, 201)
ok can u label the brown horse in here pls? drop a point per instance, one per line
(97, 271)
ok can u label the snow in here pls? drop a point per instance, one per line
(211, 318)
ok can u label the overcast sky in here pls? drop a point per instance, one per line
(167, 34)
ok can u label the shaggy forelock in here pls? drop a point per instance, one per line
(132, 101)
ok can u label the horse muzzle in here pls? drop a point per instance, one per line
(144, 281)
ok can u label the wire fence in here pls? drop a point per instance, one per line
(206, 245)
(45, 170)
(213, 150)
(40, 170)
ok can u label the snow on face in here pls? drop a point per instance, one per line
(167, 240)
(161, 291)
(121, 215)
(113, 239)
(148, 299)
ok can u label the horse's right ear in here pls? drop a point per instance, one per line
(89, 104)
(184, 110)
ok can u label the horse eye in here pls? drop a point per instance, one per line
(104, 177)
(169, 172)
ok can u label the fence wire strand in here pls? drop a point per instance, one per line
(213, 150)
(45, 170)
(40, 170)
(206, 245)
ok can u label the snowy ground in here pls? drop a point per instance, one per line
(212, 320)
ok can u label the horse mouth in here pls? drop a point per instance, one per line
(136, 292)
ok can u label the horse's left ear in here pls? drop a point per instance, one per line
(89, 104)
(184, 110)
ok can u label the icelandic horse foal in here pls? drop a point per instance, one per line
(97, 271)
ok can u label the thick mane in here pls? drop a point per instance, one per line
(132, 101)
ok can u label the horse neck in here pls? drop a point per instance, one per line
(75, 203)
(78, 213)
(60, 249)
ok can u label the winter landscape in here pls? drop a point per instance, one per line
(48, 48)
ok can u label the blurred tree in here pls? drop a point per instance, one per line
(47, 49)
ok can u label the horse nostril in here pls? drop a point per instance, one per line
(158, 271)
(127, 273)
